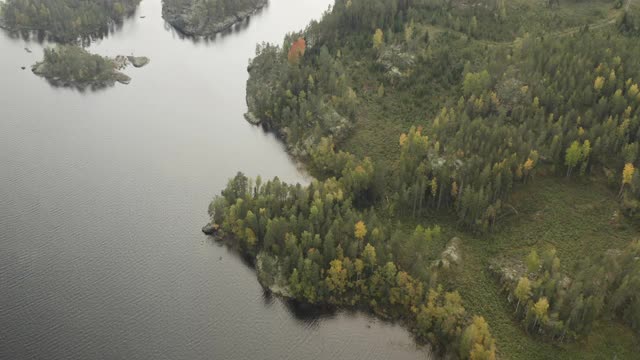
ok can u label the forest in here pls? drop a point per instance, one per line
(65, 20)
(511, 125)
(207, 17)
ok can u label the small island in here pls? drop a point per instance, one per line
(208, 17)
(65, 20)
(73, 66)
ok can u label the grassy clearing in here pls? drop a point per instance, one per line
(575, 218)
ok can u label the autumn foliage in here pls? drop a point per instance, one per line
(297, 51)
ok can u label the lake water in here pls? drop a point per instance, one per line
(103, 194)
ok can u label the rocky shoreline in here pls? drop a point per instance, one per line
(179, 18)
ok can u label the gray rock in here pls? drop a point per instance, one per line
(451, 256)
(210, 229)
(138, 61)
(122, 78)
(252, 118)
(120, 62)
(38, 68)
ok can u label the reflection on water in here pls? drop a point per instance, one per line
(103, 194)
(42, 36)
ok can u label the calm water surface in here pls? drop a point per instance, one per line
(102, 196)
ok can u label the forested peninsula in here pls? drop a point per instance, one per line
(65, 20)
(475, 172)
(208, 17)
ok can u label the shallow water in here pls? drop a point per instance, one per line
(103, 194)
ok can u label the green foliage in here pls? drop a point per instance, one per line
(73, 64)
(313, 238)
(562, 307)
(533, 261)
(300, 111)
(523, 93)
(66, 20)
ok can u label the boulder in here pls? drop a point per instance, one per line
(451, 256)
(138, 61)
(39, 68)
(122, 78)
(210, 229)
(252, 118)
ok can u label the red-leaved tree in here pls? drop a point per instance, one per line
(297, 51)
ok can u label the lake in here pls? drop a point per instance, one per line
(103, 194)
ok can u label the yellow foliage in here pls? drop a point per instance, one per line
(360, 230)
(378, 39)
(454, 189)
(528, 165)
(403, 139)
(627, 173)
(494, 99)
(599, 83)
(633, 90)
(541, 307)
(250, 237)
(408, 32)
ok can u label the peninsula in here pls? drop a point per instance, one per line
(475, 173)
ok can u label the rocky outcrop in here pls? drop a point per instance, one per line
(122, 61)
(210, 229)
(252, 118)
(266, 266)
(396, 62)
(451, 257)
(138, 61)
(122, 78)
